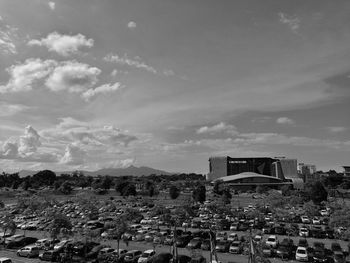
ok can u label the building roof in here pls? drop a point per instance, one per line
(245, 175)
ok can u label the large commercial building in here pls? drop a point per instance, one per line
(250, 172)
(346, 171)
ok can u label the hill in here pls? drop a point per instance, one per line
(131, 170)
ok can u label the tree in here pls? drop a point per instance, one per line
(119, 227)
(199, 194)
(174, 192)
(311, 209)
(286, 190)
(318, 193)
(226, 196)
(217, 188)
(45, 177)
(8, 225)
(66, 188)
(129, 189)
(60, 224)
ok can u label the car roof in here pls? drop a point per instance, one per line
(148, 251)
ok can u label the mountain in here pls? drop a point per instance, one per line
(131, 170)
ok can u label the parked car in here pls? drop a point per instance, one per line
(50, 255)
(302, 254)
(147, 256)
(236, 247)
(304, 232)
(272, 241)
(285, 249)
(205, 244)
(28, 251)
(222, 246)
(132, 256)
(5, 260)
(195, 243)
(305, 219)
(24, 241)
(303, 243)
(232, 237)
(267, 250)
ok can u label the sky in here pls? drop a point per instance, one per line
(91, 84)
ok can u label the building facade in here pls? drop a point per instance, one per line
(253, 171)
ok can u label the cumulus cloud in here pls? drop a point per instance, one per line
(52, 5)
(131, 24)
(104, 89)
(292, 22)
(126, 61)
(122, 163)
(336, 129)
(73, 77)
(30, 141)
(26, 148)
(73, 155)
(285, 120)
(24, 76)
(64, 45)
(218, 128)
(11, 109)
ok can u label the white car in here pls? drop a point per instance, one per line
(324, 212)
(305, 220)
(146, 256)
(5, 260)
(272, 241)
(304, 232)
(28, 251)
(221, 236)
(302, 254)
(316, 221)
(232, 237)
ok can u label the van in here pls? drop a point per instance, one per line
(29, 251)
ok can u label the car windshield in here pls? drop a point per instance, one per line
(301, 251)
(271, 239)
(145, 254)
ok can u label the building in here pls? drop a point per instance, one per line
(253, 171)
(346, 170)
(306, 169)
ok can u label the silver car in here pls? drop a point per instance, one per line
(29, 251)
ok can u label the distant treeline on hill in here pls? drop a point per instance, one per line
(66, 182)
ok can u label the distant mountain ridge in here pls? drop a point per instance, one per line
(131, 170)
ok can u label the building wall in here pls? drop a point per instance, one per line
(217, 168)
(289, 168)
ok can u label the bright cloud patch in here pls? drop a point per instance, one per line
(73, 155)
(64, 45)
(70, 76)
(125, 60)
(24, 76)
(52, 5)
(104, 89)
(336, 129)
(285, 120)
(27, 148)
(291, 21)
(218, 128)
(131, 24)
(73, 77)
(7, 36)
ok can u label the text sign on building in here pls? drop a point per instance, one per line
(231, 162)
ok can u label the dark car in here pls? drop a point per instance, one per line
(303, 243)
(195, 243)
(21, 242)
(320, 256)
(183, 241)
(222, 246)
(285, 249)
(335, 247)
(81, 248)
(93, 253)
(280, 230)
(162, 258)
(50, 255)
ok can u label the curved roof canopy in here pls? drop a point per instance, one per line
(246, 175)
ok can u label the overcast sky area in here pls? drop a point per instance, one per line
(90, 84)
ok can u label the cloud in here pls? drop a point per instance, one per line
(52, 5)
(218, 128)
(64, 45)
(11, 109)
(7, 37)
(73, 155)
(292, 22)
(285, 120)
(70, 130)
(121, 163)
(114, 73)
(336, 129)
(24, 76)
(73, 77)
(26, 148)
(131, 24)
(168, 72)
(126, 61)
(104, 89)
(30, 141)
